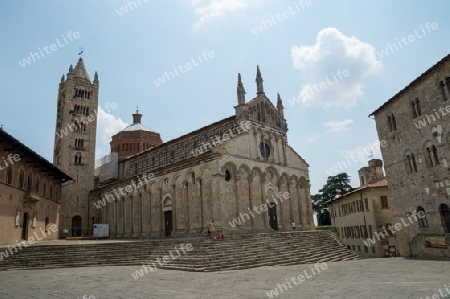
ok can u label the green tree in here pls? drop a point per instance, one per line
(336, 185)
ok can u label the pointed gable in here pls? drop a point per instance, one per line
(261, 109)
(80, 70)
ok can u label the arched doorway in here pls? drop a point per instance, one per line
(76, 226)
(25, 226)
(444, 210)
(272, 208)
(168, 221)
(273, 220)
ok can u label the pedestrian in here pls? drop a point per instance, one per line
(211, 229)
(221, 234)
(293, 225)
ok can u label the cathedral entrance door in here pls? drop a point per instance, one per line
(273, 221)
(168, 223)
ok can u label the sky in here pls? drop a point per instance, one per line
(333, 63)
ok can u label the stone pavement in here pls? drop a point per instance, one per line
(370, 278)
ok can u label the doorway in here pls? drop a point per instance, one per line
(273, 220)
(76, 226)
(168, 223)
(445, 217)
(25, 227)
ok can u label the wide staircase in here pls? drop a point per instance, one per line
(238, 252)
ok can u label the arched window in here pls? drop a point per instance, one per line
(36, 186)
(29, 181)
(423, 222)
(44, 189)
(227, 175)
(21, 178)
(433, 159)
(78, 158)
(51, 192)
(410, 162)
(415, 108)
(9, 174)
(444, 210)
(392, 123)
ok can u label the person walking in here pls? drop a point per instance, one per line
(211, 229)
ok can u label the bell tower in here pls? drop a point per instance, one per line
(74, 148)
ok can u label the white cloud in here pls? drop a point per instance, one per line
(334, 52)
(337, 126)
(363, 153)
(107, 126)
(313, 138)
(217, 9)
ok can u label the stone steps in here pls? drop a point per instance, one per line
(237, 252)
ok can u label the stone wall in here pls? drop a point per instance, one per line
(413, 123)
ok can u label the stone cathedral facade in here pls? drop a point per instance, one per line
(220, 172)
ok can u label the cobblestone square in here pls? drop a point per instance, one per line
(370, 278)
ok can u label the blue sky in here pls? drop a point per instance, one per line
(296, 44)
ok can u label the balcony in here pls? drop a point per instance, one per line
(31, 196)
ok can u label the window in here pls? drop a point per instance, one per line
(47, 221)
(29, 181)
(356, 229)
(51, 191)
(366, 249)
(374, 250)
(363, 230)
(78, 158)
(36, 186)
(353, 247)
(384, 202)
(410, 161)
(79, 143)
(370, 231)
(9, 173)
(44, 189)
(366, 203)
(442, 85)
(362, 181)
(445, 217)
(359, 247)
(227, 175)
(416, 108)
(392, 123)
(423, 222)
(432, 155)
(21, 178)
(264, 149)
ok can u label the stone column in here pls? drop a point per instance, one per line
(174, 208)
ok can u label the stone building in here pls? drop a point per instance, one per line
(74, 148)
(363, 212)
(416, 127)
(220, 172)
(30, 193)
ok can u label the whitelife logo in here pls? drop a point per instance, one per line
(33, 56)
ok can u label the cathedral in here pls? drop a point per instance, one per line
(239, 172)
